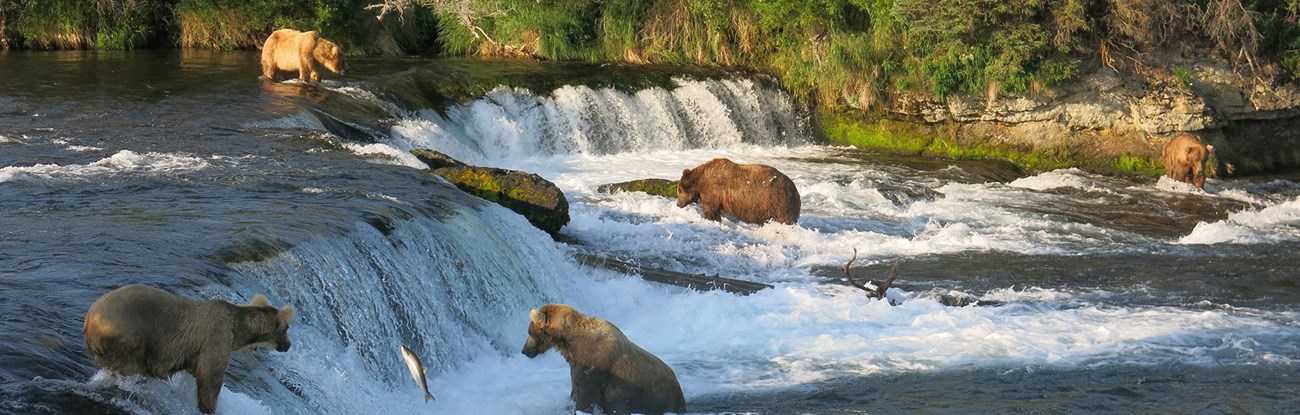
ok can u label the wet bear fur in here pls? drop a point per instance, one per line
(752, 193)
(141, 330)
(289, 53)
(607, 369)
(1185, 157)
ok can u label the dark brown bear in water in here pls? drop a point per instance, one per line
(607, 369)
(1185, 157)
(752, 193)
(141, 330)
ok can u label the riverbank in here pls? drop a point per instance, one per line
(1095, 84)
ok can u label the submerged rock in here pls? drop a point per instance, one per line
(658, 187)
(538, 200)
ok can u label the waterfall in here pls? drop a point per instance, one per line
(451, 288)
(509, 124)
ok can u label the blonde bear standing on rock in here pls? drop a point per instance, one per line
(141, 330)
(289, 53)
(607, 370)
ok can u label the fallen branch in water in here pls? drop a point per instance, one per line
(879, 291)
(698, 282)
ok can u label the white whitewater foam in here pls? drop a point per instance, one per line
(1275, 223)
(124, 161)
(84, 149)
(1069, 178)
(175, 395)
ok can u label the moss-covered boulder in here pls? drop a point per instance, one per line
(659, 187)
(538, 200)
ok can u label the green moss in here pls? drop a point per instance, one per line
(482, 183)
(658, 187)
(932, 141)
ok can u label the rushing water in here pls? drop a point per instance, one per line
(183, 171)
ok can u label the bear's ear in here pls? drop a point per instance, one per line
(686, 172)
(260, 300)
(286, 314)
(537, 316)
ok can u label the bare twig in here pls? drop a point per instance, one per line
(879, 291)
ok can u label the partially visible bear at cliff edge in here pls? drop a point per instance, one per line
(753, 193)
(141, 330)
(1185, 157)
(606, 369)
(289, 53)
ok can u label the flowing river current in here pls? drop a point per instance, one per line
(183, 171)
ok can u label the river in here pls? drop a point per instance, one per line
(180, 169)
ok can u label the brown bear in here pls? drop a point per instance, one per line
(1185, 157)
(288, 53)
(141, 330)
(752, 193)
(607, 369)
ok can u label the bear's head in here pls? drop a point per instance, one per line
(688, 188)
(546, 327)
(268, 326)
(329, 55)
(1199, 155)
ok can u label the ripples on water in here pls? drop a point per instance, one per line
(179, 169)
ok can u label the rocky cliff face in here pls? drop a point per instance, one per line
(1252, 120)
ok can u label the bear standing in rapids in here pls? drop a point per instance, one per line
(288, 53)
(752, 193)
(607, 369)
(1185, 157)
(141, 330)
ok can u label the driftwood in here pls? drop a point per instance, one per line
(879, 291)
(698, 282)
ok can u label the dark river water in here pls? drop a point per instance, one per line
(182, 170)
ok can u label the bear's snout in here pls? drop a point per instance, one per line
(282, 346)
(533, 347)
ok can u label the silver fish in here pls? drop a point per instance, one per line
(417, 371)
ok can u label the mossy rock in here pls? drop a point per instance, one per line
(538, 200)
(658, 187)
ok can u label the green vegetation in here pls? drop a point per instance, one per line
(840, 52)
(1137, 165)
(1184, 76)
(855, 52)
(211, 24)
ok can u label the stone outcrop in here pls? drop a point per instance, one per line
(1109, 112)
(527, 194)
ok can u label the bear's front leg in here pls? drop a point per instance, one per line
(209, 374)
(588, 383)
(712, 210)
